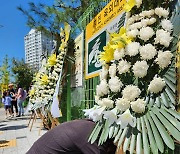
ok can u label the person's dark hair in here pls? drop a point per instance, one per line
(4, 94)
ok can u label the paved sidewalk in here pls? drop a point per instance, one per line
(16, 128)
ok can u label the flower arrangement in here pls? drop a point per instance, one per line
(136, 94)
(42, 91)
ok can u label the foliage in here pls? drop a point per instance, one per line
(50, 18)
(23, 73)
(4, 74)
(4, 71)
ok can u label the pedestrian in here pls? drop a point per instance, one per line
(71, 138)
(13, 94)
(21, 96)
(7, 103)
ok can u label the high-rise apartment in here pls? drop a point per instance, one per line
(37, 45)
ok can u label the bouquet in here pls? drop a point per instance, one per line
(135, 100)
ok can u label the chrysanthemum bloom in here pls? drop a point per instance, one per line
(131, 92)
(164, 59)
(122, 104)
(140, 69)
(156, 85)
(138, 106)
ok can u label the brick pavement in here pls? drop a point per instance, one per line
(16, 128)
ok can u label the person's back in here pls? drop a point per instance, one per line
(69, 137)
(7, 101)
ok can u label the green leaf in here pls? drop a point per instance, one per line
(156, 134)
(126, 144)
(174, 132)
(122, 136)
(164, 99)
(144, 137)
(96, 133)
(151, 137)
(151, 101)
(111, 131)
(174, 121)
(168, 77)
(117, 136)
(138, 142)
(116, 128)
(104, 133)
(170, 95)
(170, 85)
(172, 112)
(132, 144)
(166, 137)
(94, 130)
(157, 102)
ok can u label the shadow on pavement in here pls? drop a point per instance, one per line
(13, 127)
(2, 125)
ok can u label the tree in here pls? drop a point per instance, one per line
(50, 18)
(23, 73)
(4, 74)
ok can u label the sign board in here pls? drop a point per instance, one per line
(77, 78)
(110, 19)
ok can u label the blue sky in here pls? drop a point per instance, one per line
(14, 27)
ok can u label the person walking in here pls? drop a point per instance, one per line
(21, 96)
(14, 100)
(6, 100)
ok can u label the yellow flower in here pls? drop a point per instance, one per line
(44, 79)
(62, 46)
(67, 29)
(37, 76)
(108, 53)
(121, 36)
(178, 61)
(129, 5)
(31, 92)
(52, 60)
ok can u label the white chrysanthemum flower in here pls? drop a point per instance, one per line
(123, 66)
(138, 106)
(115, 84)
(133, 33)
(140, 69)
(163, 37)
(102, 89)
(104, 73)
(144, 22)
(55, 74)
(146, 33)
(136, 25)
(57, 69)
(138, 3)
(112, 70)
(148, 13)
(119, 53)
(131, 92)
(107, 102)
(130, 20)
(167, 25)
(122, 104)
(132, 49)
(164, 59)
(151, 21)
(161, 12)
(156, 85)
(147, 51)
